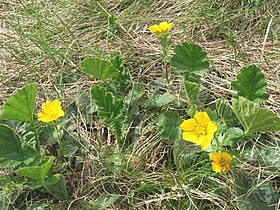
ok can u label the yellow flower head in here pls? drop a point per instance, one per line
(199, 130)
(220, 161)
(161, 29)
(51, 111)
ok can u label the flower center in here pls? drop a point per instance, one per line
(52, 115)
(224, 164)
(200, 130)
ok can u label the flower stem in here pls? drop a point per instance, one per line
(59, 151)
(37, 142)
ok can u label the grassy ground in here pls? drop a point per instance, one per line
(44, 41)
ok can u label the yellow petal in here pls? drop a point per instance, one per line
(188, 125)
(153, 29)
(189, 136)
(44, 105)
(202, 118)
(206, 143)
(165, 26)
(211, 128)
(214, 156)
(226, 157)
(41, 115)
(61, 113)
(216, 167)
(56, 103)
(44, 119)
(201, 139)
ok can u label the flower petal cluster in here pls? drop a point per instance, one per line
(161, 29)
(51, 111)
(199, 130)
(220, 161)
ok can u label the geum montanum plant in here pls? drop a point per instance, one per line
(26, 152)
(219, 128)
(216, 129)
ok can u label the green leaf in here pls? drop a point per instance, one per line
(226, 112)
(56, 186)
(110, 109)
(263, 196)
(104, 201)
(37, 172)
(68, 149)
(265, 153)
(168, 125)
(136, 93)
(192, 110)
(232, 136)
(253, 117)
(212, 114)
(160, 100)
(192, 90)
(123, 80)
(190, 57)
(98, 68)
(185, 154)
(251, 84)
(12, 153)
(20, 106)
(30, 154)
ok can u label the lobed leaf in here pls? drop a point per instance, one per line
(232, 136)
(192, 90)
(263, 196)
(168, 125)
(251, 84)
(253, 117)
(136, 93)
(110, 109)
(20, 106)
(56, 186)
(98, 68)
(190, 57)
(159, 100)
(185, 154)
(12, 152)
(38, 173)
(226, 112)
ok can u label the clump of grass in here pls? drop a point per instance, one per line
(45, 41)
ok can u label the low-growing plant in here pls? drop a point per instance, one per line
(218, 127)
(26, 154)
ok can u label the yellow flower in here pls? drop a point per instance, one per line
(161, 29)
(199, 130)
(220, 161)
(51, 111)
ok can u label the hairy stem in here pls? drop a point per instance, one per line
(165, 43)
